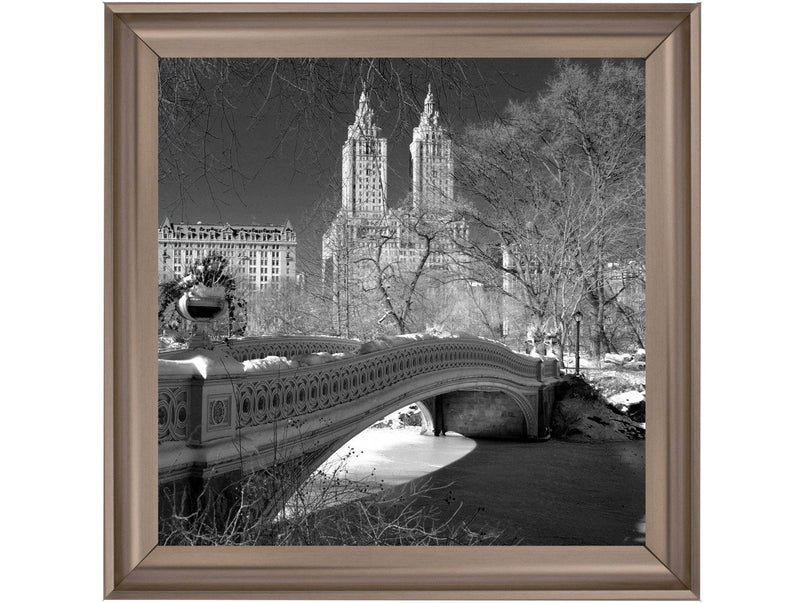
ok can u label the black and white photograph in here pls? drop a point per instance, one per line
(200, 278)
(401, 302)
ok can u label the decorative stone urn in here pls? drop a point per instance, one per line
(202, 305)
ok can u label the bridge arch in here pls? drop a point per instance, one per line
(524, 404)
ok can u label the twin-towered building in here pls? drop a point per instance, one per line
(364, 161)
(366, 235)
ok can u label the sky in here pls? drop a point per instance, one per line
(288, 142)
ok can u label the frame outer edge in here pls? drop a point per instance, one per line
(290, 30)
(673, 262)
(695, 276)
(131, 256)
(108, 314)
(391, 7)
(130, 218)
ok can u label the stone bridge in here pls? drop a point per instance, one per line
(216, 420)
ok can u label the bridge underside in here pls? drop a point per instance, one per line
(475, 414)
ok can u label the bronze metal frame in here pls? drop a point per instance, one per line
(667, 36)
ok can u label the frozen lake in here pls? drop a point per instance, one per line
(545, 493)
(397, 456)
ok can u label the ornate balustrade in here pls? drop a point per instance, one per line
(250, 348)
(222, 404)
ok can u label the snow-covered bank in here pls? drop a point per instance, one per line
(583, 413)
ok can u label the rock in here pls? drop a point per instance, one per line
(635, 365)
(627, 398)
(630, 404)
(636, 412)
(618, 359)
(639, 355)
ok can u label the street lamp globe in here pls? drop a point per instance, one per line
(577, 316)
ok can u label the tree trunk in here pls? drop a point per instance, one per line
(597, 298)
(630, 322)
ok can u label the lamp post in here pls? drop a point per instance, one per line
(577, 316)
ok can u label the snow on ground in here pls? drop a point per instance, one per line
(611, 382)
(627, 398)
(635, 361)
(407, 417)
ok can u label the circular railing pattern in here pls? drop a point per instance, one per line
(263, 398)
(305, 390)
(172, 412)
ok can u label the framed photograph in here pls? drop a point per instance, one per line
(402, 301)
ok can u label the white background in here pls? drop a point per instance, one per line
(753, 226)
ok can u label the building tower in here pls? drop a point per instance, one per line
(508, 288)
(431, 157)
(364, 165)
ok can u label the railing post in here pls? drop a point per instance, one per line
(549, 381)
(211, 413)
(211, 403)
(546, 399)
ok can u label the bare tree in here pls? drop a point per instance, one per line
(409, 253)
(602, 121)
(558, 192)
(284, 308)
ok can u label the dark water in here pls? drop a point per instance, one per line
(548, 493)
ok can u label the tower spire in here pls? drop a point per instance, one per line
(364, 162)
(363, 97)
(430, 113)
(364, 116)
(430, 156)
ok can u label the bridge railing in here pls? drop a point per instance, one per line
(251, 348)
(199, 410)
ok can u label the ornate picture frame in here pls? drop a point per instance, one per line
(666, 36)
